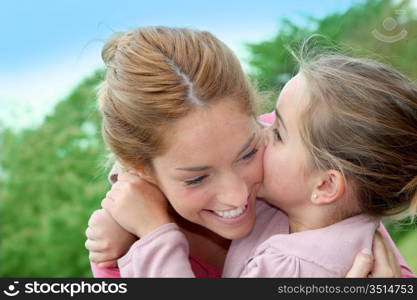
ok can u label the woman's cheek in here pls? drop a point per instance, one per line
(189, 201)
(259, 164)
(268, 165)
(176, 198)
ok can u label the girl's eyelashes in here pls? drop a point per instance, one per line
(250, 154)
(276, 134)
(195, 180)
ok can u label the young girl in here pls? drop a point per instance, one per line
(341, 155)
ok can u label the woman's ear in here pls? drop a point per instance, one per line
(329, 188)
(145, 172)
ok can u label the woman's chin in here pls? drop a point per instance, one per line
(236, 234)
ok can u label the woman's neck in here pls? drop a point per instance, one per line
(204, 244)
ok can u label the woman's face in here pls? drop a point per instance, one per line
(213, 168)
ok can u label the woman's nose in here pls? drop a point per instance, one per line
(233, 193)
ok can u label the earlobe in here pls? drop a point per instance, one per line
(330, 188)
(146, 173)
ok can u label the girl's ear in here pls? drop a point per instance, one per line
(329, 188)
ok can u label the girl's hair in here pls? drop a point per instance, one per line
(361, 119)
(156, 75)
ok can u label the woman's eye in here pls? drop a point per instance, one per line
(250, 154)
(276, 134)
(195, 180)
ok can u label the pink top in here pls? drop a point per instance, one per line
(269, 251)
(200, 269)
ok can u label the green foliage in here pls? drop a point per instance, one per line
(52, 181)
(408, 248)
(271, 64)
(51, 177)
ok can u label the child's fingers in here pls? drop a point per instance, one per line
(108, 264)
(89, 233)
(99, 257)
(95, 217)
(362, 265)
(94, 246)
(129, 176)
(395, 266)
(383, 266)
(107, 204)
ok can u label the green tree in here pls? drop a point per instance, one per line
(353, 30)
(52, 180)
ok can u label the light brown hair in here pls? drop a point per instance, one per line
(361, 119)
(156, 75)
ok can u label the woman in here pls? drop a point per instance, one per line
(178, 110)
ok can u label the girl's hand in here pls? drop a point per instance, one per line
(106, 239)
(137, 205)
(385, 263)
(362, 266)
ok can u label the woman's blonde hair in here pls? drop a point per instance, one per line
(156, 75)
(361, 119)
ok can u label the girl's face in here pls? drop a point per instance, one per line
(285, 184)
(213, 168)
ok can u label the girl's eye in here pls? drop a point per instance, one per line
(276, 134)
(195, 180)
(250, 154)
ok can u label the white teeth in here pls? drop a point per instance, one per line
(230, 213)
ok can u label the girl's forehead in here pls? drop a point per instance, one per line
(292, 85)
(292, 92)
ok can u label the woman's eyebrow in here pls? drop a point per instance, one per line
(203, 168)
(246, 145)
(279, 118)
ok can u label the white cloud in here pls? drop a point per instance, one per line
(27, 96)
(414, 4)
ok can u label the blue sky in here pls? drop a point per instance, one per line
(47, 47)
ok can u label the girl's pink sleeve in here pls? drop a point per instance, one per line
(406, 271)
(162, 253)
(99, 272)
